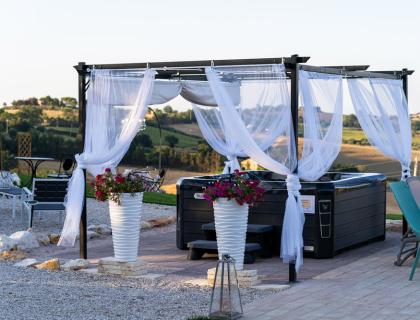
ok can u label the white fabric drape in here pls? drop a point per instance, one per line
(283, 159)
(382, 111)
(199, 92)
(264, 112)
(322, 99)
(110, 127)
(322, 139)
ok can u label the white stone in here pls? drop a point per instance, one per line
(42, 238)
(92, 235)
(103, 229)
(76, 264)
(26, 263)
(145, 225)
(24, 240)
(54, 238)
(110, 265)
(6, 243)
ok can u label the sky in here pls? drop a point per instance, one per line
(41, 40)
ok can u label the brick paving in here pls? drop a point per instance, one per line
(158, 250)
(357, 284)
(370, 288)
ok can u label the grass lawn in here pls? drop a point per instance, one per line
(394, 216)
(185, 141)
(148, 197)
(353, 133)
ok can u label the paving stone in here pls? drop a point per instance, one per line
(110, 265)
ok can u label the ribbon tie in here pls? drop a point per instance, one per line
(232, 164)
(405, 172)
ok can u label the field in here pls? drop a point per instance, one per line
(185, 140)
(49, 113)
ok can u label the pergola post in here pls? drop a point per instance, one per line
(294, 105)
(81, 70)
(404, 77)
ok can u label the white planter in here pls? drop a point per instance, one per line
(231, 220)
(125, 224)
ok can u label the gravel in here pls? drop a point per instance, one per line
(27, 293)
(36, 294)
(49, 221)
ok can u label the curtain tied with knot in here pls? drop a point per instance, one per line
(117, 101)
(265, 88)
(231, 164)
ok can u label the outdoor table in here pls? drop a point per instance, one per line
(33, 164)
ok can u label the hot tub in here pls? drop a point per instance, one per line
(342, 210)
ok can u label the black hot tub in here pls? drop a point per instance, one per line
(342, 210)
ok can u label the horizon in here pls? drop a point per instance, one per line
(42, 45)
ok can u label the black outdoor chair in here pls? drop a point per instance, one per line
(65, 169)
(151, 184)
(154, 184)
(46, 195)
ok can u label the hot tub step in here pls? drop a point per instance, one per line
(256, 233)
(199, 247)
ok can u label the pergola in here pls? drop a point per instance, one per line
(195, 70)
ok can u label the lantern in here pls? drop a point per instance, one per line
(225, 298)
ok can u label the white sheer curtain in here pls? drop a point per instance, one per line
(322, 98)
(263, 127)
(382, 111)
(282, 157)
(322, 133)
(117, 101)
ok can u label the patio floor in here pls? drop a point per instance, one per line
(158, 250)
(370, 288)
(361, 283)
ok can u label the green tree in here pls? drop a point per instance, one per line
(48, 101)
(31, 115)
(144, 140)
(68, 102)
(171, 140)
(168, 109)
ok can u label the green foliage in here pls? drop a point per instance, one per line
(48, 101)
(25, 102)
(198, 318)
(171, 140)
(108, 186)
(143, 140)
(31, 115)
(350, 121)
(7, 160)
(68, 102)
(168, 109)
(148, 197)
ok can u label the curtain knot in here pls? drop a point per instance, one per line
(232, 164)
(79, 161)
(405, 172)
(293, 184)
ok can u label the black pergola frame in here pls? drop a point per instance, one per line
(195, 70)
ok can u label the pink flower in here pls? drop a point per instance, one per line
(107, 170)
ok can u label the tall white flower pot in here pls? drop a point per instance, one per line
(231, 220)
(125, 224)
